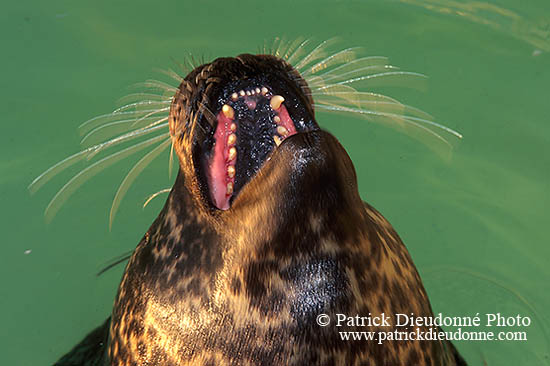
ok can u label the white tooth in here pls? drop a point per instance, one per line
(229, 188)
(248, 92)
(264, 90)
(252, 92)
(233, 127)
(242, 93)
(234, 96)
(258, 90)
(232, 154)
(228, 111)
(281, 130)
(277, 140)
(231, 139)
(276, 102)
(231, 171)
(277, 119)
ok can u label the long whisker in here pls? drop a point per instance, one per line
(298, 52)
(358, 63)
(376, 105)
(142, 103)
(72, 185)
(92, 123)
(154, 195)
(136, 97)
(132, 175)
(331, 78)
(126, 137)
(418, 131)
(171, 74)
(43, 178)
(150, 114)
(394, 78)
(350, 94)
(410, 119)
(281, 47)
(386, 79)
(114, 128)
(315, 54)
(156, 84)
(184, 70)
(171, 161)
(347, 55)
(87, 153)
(292, 48)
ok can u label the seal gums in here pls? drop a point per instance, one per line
(221, 165)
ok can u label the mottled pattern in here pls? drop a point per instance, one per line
(244, 286)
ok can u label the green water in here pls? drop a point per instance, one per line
(476, 225)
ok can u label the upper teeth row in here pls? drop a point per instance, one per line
(242, 93)
(275, 103)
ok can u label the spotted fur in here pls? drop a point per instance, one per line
(244, 286)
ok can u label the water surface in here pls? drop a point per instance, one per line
(476, 225)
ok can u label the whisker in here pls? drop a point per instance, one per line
(283, 45)
(115, 261)
(136, 97)
(191, 64)
(92, 123)
(75, 182)
(315, 54)
(350, 94)
(156, 84)
(43, 178)
(274, 46)
(377, 106)
(359, 72)
(298, 52)
(184, 70)
(392, 78)
(123, 138)
(171, 161)
(411, 128)
(171, 74)
(358, 63)
(150, 114)
(154, 195)
(347, 55)
(141, 104)
(118, 127)
(292, 46)
(132, 175)
(410, 119)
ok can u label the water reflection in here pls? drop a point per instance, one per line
(527, 29)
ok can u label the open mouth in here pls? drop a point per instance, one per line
(251, 123)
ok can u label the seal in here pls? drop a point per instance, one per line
(262, 233)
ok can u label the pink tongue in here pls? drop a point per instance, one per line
(218, 164)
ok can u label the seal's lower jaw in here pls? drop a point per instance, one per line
(250, 125)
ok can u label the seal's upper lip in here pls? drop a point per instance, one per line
(250, 124)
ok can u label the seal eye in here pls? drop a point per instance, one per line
(250, 124)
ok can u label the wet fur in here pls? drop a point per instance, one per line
(244, 286)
